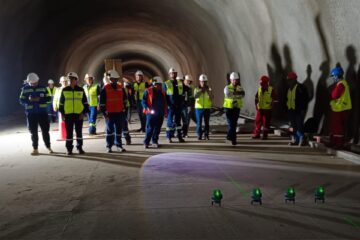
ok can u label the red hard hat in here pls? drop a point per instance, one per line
(264, 79)
(291, 75)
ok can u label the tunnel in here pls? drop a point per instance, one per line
(254, 38)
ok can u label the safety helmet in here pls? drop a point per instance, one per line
(156, 79)
(337, 72)
(188, 77)
(64, 79)
(264, 79)
(113, 74)
(72, 74)
(139, 72)
(32, 78)
(87, 76)
(51, 81)
(291, 76)
(234, 75)
(179, 77)
(203, 78)
(172, 70)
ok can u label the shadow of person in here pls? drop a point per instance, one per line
(308, 83)
(356, 107)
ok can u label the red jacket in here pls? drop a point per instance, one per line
(114, 101)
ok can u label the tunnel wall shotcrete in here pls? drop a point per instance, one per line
(196, 36)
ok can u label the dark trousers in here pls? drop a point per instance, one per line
(338, 121)
(125, 130)
(174, 122)
(153, 127)
(263, 118)
(52, 115)
(33, 121)
(200, 115)
(114, 126)
(142, 116)
(232, 116)
(297, 123)
(185, 117)
(71, 121)
(92, 119)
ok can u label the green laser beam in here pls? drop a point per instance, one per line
(241, 190)
(351, 222)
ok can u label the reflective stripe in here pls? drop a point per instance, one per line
(73, 101)
(291, 95)
(233, 101)
(170, 87)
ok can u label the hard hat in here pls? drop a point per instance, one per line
(64, 79)
(264, 79)
(172, 70)
(113, 74)
(203, 78)
(156, 79)
(337, 72)
(179, 77)
(139, 72)
(87, 76)
(234, 75)
(291, 76)
(72, 74)
(51, 81)
(32, 78)
(188, 77)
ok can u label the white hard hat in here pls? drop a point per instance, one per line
(64, 79)
(188, 77)
(139, 72)
(179, 77)
(51, 81)
(32, 78)
(157, 79)
(72, 74)
(234, 75)
(113, 74)
(87, 76)
(203, 78)
(172, 70)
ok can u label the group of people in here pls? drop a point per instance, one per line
(176, 99)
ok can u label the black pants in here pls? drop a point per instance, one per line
(72, 120)
(35, 119)
(232, 116)
(142, 116)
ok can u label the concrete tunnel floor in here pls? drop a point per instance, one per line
(166, 193)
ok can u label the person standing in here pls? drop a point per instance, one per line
(35, 98)
(112, 105)
(203, 103)
(155, 108)
(233, 102)
(139, 88)
(92, 92)
(189, 103)
(264, 100)
(73, 106)
(51, 93)
(127, 113)
(64, 82)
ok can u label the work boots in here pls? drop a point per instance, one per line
(34, 152)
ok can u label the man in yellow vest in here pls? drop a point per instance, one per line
(139, 89)
(203, 103)
(51, 93)
(233, 103)
(92, 92)
(264, 99)
(297, 100)
(174, 90)
(189, 103)
(73, 105)
(340, 105)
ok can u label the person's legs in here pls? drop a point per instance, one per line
(207, 122)
(92, 120)
(178, 123)
(170, 124)
(157, 128)
(185, 120)
(149, 129)
(258, 121)
(125, 129)
(119, 124)
(142, 116)
(78, 131)
(229, 123)
(45, 128)
(32, 124)
(292, 119)
(266, 123)
(235, 120)
(110, 123)
(69, 125)
(199, 117)
(300, 128)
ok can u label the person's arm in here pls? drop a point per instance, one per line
(144, 100)
(85, 103)
(103, 101)
(257, 100)
(24, 97)
(338, 91)
(197, 93)
(61, 103)
(166, 96)
(228, 93)
(125, 98)
(46, 98)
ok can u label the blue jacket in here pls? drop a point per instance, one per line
(34, 107)
(158, 101)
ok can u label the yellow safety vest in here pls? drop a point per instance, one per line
(236, 100)
(291, 95)
(170, 87)
(265, 98)
(56, 100)
(92, 95)
(139, 89)
(343, 103)
(50, 93)
(73, 102)
(203, 101)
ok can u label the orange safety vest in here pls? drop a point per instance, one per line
(150, 99)
(114, 98)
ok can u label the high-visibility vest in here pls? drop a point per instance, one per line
(343, 103)
(114, 98)
(51, 93)
(170, 87)
(236, 100)
(139, 89)
(291, 95)
(57, 95)
(265, 98)
(73, 101)
(92, 94)
(150, 98)
(203, 101)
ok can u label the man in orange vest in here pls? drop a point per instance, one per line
(340, 107)
(264, 99)
(155, 108)
(112, 104)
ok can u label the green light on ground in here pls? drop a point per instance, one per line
(217, 195)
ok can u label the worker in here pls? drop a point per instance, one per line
(203, 103)
(155, 108)
(233, 102)
(174, 90)
(35, 99)
(189, 103)
(129, 87)
(125, 129)
(139, 88)
(64, 82)
(51, 93)
(92, 92)
(340, 108)
(73, 106)
(265, 97)
(112, 105)
(297, 99)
